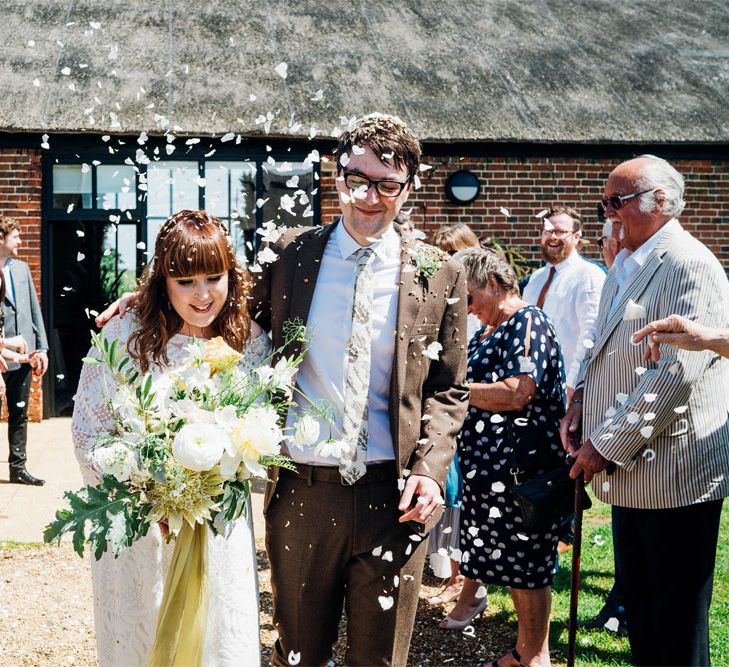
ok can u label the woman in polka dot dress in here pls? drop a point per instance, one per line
(517, 399)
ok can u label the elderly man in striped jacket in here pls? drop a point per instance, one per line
(655, 436)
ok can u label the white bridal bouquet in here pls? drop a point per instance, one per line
(187, 443)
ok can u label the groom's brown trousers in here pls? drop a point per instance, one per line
(331, 545)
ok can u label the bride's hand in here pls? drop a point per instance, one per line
(164, 528)
(120, 306)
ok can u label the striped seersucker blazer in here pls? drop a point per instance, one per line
(664, 424)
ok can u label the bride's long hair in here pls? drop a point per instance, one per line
(189, 243)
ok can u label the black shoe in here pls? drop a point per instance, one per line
(24, 477)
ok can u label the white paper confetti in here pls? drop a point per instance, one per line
(633, 311)
(649, 454)
(479, 426)
(649, 398)
(496, 419)
(386, 602)
(680, 409)
(282, 69)
(498, 487)
(612, 624)
(433, 351)
(494, 513)
(646, 431)
(526, 365)
(294, 658)
(471, 474)
(505, 211)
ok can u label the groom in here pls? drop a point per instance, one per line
(387, 321)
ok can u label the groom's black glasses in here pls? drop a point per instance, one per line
(384, 188)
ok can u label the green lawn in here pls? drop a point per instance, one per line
(602, 647)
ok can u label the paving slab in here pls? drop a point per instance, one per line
(25, 510)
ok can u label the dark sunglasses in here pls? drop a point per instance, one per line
(618, 201)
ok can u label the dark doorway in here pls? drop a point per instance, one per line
(92, 263)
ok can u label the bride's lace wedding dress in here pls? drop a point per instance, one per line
(128, 590)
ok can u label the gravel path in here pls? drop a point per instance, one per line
(46, 616)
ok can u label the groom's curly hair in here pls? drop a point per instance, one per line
(190, 243)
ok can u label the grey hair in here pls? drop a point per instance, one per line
(480, 264)
(658, 173)
(607, 228)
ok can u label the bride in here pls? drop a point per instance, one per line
(194, 287)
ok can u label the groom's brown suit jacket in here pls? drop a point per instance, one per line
(428, 398)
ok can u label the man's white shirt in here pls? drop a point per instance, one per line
(627, 263)
(322, 375)
(571, 303)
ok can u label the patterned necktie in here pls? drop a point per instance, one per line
(543, 293)
(353, 462)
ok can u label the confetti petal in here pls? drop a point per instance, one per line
(282, 69)
(386, 602)
(633, 311)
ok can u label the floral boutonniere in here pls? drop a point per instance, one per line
(427, 259)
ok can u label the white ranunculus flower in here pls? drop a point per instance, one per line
(116, 460)
(199, 446)
(306, 432)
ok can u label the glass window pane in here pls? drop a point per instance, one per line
(119, 260)
(116, 187)
(71, 186)
(287, 187)
(171, 187)
(230, 190)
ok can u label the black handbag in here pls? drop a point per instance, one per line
(550, 497)
(547, 499)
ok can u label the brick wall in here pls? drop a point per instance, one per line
(20, 198)
(526, 186)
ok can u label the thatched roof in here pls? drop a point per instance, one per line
(645, 71)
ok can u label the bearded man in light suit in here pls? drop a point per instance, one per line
(662, 427)
(387, 321)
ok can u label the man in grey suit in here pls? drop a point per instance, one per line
(22, 316)
(661, 426)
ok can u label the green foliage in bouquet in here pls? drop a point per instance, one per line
(116, 515)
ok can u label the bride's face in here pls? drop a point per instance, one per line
(198, 300)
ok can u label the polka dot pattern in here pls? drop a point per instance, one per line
(495, 547)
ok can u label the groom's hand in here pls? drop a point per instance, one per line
(426, 493)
